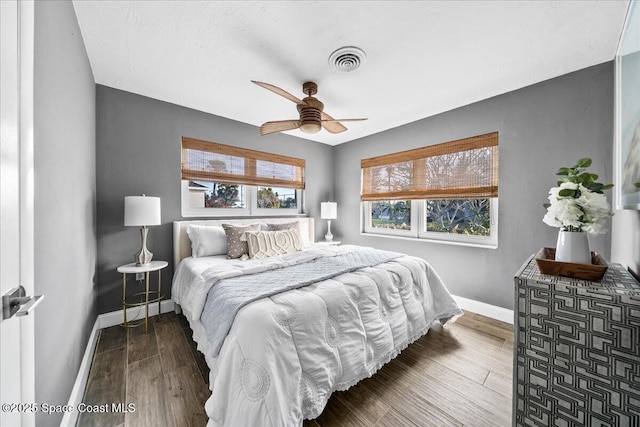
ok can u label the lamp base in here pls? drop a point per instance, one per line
(143, 257)
(328, 237)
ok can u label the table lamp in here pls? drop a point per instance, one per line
(142, 211)
(328, 211)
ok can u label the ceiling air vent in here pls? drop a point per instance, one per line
(348, 58)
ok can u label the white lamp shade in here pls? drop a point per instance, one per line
(328, 210)
(141, 210)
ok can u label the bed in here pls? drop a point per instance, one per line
(282, 332)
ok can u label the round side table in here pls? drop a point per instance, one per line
(132, 268)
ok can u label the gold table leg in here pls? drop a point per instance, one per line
(124, 298)
(147, 291)
(159, 289)
(146, 305)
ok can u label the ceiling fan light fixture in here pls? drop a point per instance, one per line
(348, 58)
(310, 127)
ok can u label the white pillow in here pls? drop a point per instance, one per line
(263, 244)
(207, 240)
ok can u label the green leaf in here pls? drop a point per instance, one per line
(563, 171)
(637, 184)
(594, 177)
(585, 178)
(584, 163)
(567, 193)
(610, 186)
(595, 187)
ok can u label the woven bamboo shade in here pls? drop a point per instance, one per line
(208, 161)
(462, 169)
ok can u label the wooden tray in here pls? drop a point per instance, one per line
(547, 264)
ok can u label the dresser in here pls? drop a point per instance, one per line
(576, 349)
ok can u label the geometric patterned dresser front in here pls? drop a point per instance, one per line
(577, 349)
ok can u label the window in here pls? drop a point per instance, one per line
(459, 216)
(444, 192)
(393, 217)
(221, 180)
(277, 198)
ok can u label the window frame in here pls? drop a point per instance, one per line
(248, 176)
(419, 233)
(486, 241)
(459, 185)
(250, 209)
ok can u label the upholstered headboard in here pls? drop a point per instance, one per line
(182, 244)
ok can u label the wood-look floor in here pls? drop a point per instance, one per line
(453, 376)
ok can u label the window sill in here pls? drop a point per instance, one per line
(437, 241)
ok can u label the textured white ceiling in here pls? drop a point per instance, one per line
(423, 58)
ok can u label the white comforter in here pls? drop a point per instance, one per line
(286, 354)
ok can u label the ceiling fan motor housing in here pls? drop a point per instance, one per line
(310, 115)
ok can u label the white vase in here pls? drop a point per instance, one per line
(573, 246)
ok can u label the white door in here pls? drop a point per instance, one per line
(16, 207)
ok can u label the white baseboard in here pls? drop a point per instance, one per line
(113, 318)
(103, 321)
(484, 309)
(70, 418)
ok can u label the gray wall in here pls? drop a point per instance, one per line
(65, 234)
(542, 127)
(138, 151)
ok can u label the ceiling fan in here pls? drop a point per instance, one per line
(312, 118)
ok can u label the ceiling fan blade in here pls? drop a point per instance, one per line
(281, 92)
(331, 125)
(278, 126)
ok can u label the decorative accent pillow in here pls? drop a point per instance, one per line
(286, 226)
(207, 240)
(236, 247)
(263, 244)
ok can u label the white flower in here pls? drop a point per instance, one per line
(570, 186)
(596, 210)
(587, 212)
(595, 202)
(563, 212)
